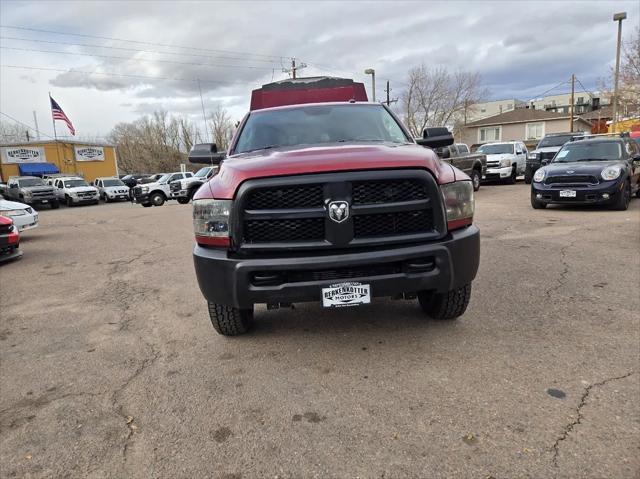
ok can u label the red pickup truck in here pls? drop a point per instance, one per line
(336, 203)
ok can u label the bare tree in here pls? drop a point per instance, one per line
(436, 97)
(159, 142)
(221, 127)
(14, 132)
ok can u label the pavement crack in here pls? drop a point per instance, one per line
(119, 407)
(562, 277)
(578, 413)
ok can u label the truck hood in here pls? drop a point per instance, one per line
(83, 189)
(501, 156)
(116, 188)
(581, 167)
(546, 149)
(324, 159)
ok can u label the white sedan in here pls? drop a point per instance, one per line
(24, 216)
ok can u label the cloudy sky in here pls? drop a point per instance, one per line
(112, 61)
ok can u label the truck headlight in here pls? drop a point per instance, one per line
(532, 156)
(611, 173)
(144, 189)
(459, 203)
(12, 212)
(539, 175)
(211, 221)
(505, 163)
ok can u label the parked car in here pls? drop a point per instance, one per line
(183, 190)
(506, 160)
(333, 203)
(156, 193)
(74, 190)
(600, 170)
(24, 216)
(9, 240)
(111, 189)
(459, 155)
(30, 190)
(546, 150)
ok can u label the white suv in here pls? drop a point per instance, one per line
(506, 160)
(111, 189)
(74, 190)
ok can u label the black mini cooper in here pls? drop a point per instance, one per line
(597, 170)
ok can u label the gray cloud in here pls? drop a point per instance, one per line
(519, 48)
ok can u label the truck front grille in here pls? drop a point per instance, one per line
(547, 155)
(137, 191)
(388, 206)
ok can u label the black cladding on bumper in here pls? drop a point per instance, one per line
(241, 282)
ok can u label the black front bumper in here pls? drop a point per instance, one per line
(142, 199)
(585, 195)
(440, 266)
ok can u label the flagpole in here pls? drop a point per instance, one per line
(55, 135)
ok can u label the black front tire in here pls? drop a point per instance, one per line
(445, 306)
(69, 201)
(147, 205)
(229, 321)
(528, 175)
(514, 174)
(475, 179)
(624, 198)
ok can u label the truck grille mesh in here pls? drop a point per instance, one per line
(306, 229)
(376, 192)
(393, 224)
(303, 196)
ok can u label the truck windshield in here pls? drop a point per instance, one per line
(496, 149)
(75, 183)
(30, 182)
(113, 182)
(317, 124)
(590, 151)
(203, 172)
(554, 141)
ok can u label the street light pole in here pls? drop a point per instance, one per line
(372, 72)
(618, 17)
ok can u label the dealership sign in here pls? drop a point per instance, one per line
(22, 154)
(89, 153)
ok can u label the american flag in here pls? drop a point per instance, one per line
(58, 114)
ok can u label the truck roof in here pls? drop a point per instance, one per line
(307, 90)
(327, 103)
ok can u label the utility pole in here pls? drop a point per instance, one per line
(573, 88)
(294, 68)
(35, 120)
(618, 17)
(204, 116)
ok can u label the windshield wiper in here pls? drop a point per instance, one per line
(268, 147)
(344, 140)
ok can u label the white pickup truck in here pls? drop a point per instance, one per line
(156, 193)
(74, 190)
(183, 190)
(506, 160)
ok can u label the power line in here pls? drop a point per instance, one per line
(584, 89)
(99, 37)
(25, 125)
(550, 89)
(143, 77)
(112, 57)
(136, 49)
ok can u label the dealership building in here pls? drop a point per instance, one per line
(37, 158)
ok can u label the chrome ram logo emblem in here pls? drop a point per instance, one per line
(338, 211)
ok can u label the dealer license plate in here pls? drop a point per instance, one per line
(45, 201)
(567, 194)
(346, 294)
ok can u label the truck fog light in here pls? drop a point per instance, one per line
(539, 195)
(605, 196)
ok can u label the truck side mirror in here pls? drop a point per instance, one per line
(544, 161)
(206, 153)
(435, 137)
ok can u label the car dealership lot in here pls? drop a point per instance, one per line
(110, 367)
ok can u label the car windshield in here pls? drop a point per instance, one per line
(202, 172)
(30, 182)
(317, 124)
(589, 151)
(554, 141)
(75, 183)
(113, 182)
(163, 178)
(496, 149)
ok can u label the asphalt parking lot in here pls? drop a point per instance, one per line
(110, 367)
